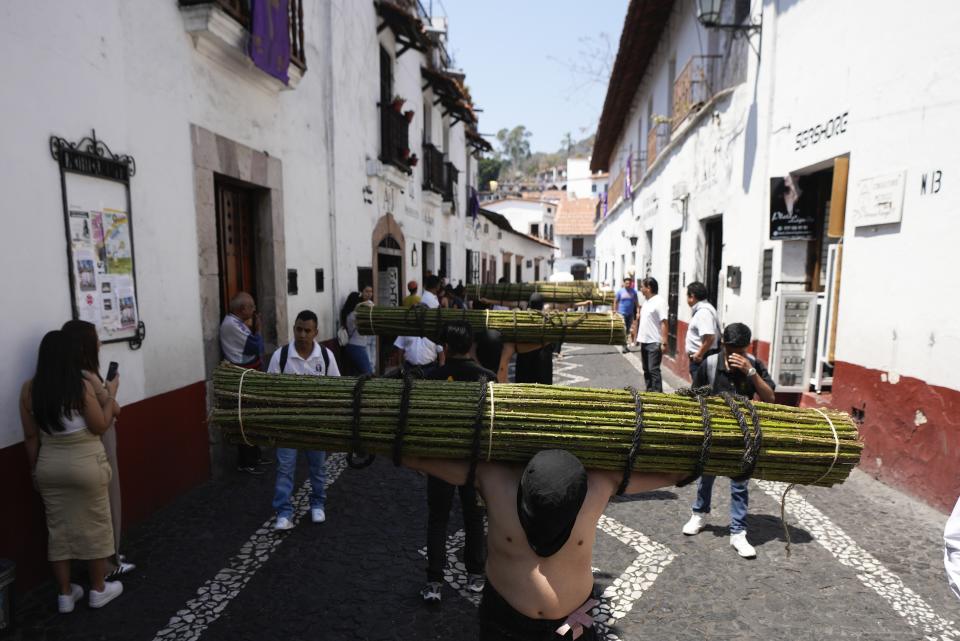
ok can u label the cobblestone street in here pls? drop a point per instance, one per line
(866, 562)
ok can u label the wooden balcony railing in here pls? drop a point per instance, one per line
(432, 168)
(394, 138)
(615, 193)
(239, 10)
(657, 139)
(450, 177)
(694, 86)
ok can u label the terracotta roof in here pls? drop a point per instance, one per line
(547, 195)
(575, 217)
(642, 28)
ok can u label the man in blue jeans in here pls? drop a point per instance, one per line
(303, 356)
(735, 371)
(627, 302)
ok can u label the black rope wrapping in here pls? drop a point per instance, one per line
(402, 418)
(635, 445)
(353, 458)
(419, 312)
(751, 445)
(699, 393)
(752, 455)
(477, 429)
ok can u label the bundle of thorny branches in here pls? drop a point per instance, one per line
(511, 422)
(516, 326)
(514, 294)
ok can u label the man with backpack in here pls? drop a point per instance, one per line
(304, 356)
(735, 371)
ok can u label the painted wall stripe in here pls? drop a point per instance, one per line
(213, 597)
(868, 568)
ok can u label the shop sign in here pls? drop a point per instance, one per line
(879, 200)
(790, 217)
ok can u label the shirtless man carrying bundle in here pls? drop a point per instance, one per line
(542, 525)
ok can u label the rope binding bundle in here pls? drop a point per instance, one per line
(607, 429)
(517, 326)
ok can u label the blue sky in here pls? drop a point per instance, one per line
(517, 55)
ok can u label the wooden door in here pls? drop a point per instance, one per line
(236, 242)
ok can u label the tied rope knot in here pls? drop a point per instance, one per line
(700, 394)
(635, 445)
(353, 458)
(578, 619)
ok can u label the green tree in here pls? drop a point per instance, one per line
(487, 170)
(515, 145)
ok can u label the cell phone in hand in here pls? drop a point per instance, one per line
(112, 370)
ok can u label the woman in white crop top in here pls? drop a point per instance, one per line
(62, 423)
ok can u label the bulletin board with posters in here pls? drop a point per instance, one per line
(95, 184)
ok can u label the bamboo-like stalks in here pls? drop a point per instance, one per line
(518, 420)
(516, 326)
(514, 294)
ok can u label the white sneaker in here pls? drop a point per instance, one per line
(111, 590)
(695, 524)
(283, 523)
(317, 515)
(740, 544)
(65, 602)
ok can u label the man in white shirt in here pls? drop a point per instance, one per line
(951, 550)
(416, 351)
(303, 356)
(652, 333)
(242, 344)
(431, 287)
(703, 332)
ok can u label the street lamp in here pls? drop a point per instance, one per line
(708, 14)
(413, 256)
(633, 241)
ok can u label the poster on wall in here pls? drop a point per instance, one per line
(96, 204)
(879, 200)
(790, 216)
(102, 266)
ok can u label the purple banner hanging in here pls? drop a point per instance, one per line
(628, 190)
(270, 36)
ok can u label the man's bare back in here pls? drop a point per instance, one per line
(538, 587)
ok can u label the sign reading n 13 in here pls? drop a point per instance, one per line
(821, 131)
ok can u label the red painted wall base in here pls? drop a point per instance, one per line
(911, 431)
(162, 451)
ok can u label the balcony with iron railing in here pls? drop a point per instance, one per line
(239, 10)
(433, 169)
(394, 138)
(695, 85)
(450, 177)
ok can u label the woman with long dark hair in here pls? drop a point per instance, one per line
(62, 423)
(85, 344)
(356, 347)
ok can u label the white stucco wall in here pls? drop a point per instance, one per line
(523, 213)
(131, 71)
(900, 110)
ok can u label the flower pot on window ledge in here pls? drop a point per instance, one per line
(408, 115)
(397, 103)
(412, 160)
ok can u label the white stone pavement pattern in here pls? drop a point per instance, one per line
(651, 558)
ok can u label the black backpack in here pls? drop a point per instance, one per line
(285, 353)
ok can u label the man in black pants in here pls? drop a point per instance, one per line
(458, 367)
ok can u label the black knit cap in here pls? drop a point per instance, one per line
(549, 497)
